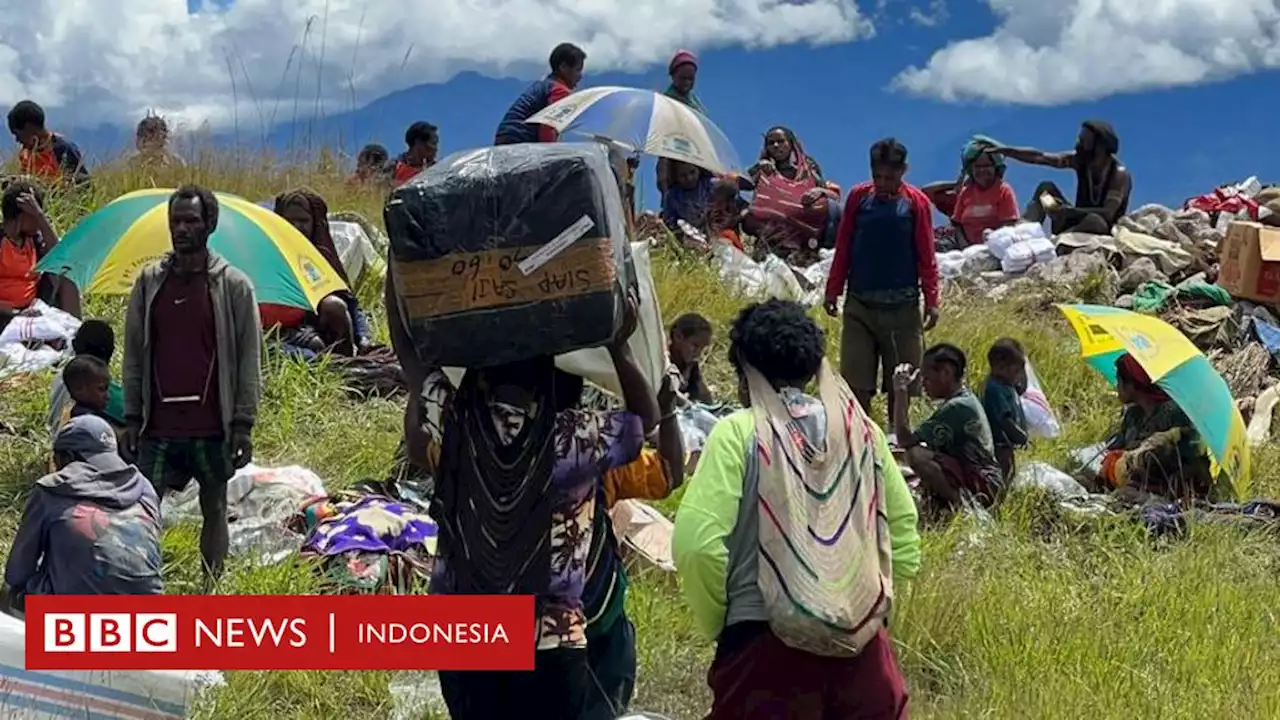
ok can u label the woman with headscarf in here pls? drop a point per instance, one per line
(518, 462)
(796, 587)
(795, 211)
(337, 324)
(1156, 451)
(984, 201)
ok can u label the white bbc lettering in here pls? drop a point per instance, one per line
(64, 632)
(155, 632)
(111, 632)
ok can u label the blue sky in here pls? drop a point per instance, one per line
(839, 98)
(1177, 142)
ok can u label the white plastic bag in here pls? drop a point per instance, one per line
(1017, 258)
(1038, 474)
(951, 264)
(1042, 249)
(1041, 421)
(1001, 239)
(46, 694)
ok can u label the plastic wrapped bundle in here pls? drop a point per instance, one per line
(1042, 249)
(1017, 259)
(506, 253)
(1001, 239)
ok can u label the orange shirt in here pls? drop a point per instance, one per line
(17, 273)
(979, 209)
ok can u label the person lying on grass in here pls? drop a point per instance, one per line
(756, 548)
(1002, 402)
(952, 452)
(91, 527)
(519, 431)
(1156, 451)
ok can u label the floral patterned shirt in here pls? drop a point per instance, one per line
(588, 444)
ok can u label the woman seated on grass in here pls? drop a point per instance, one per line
(757, 548)
(952, 451)
(1157, 451)
(783, 177)
(981, 200)
(338, 324)
(25, 237)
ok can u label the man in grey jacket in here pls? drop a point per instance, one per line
(90, 528)
(192, 368)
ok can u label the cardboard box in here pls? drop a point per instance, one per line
(1249, 260)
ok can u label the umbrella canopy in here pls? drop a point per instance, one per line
(1178, 367)
(105, 252)
(646, 122)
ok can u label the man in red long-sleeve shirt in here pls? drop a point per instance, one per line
(884, 262)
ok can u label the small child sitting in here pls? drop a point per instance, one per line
(1000, 399)
(88, 381)
(689, 337)
(94, 339)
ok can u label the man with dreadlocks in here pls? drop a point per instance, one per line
(1103, 185)
(337, 323)
(518, 462)
(794, 210)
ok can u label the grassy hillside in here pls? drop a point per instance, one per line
(1035, 616)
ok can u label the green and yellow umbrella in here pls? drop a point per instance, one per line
(106, 251)
(1178, 367)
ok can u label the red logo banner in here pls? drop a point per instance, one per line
(286, 632)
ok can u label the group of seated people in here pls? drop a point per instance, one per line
(793, 213)
(965, 451)
(980, 200)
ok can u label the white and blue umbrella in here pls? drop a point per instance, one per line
(644, 121)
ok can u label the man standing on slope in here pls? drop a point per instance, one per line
(192, 372)
(567, 63)
(885, 260)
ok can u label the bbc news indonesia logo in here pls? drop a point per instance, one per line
(226, 632)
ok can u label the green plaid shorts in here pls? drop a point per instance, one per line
(171, 463)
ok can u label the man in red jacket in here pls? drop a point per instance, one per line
(884, 263)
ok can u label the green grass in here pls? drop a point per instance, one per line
(1034, 616)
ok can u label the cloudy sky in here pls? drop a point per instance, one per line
(92, 62)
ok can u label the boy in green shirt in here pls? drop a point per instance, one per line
(952, 451)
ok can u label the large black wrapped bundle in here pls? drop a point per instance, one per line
(506, 253)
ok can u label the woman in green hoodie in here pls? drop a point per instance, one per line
(809, 519)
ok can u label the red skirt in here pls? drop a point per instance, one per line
(762, 678)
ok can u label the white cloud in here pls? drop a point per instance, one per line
(1047, 53)
(103, 61)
